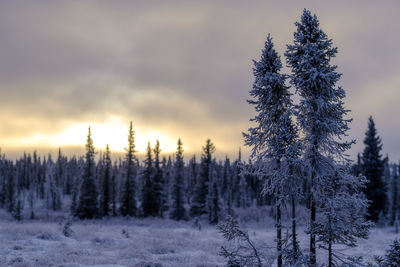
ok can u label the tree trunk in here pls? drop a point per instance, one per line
(313, 255)
(294, 234)
(279, 233)
(330, 263)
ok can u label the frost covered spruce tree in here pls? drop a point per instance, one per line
(213, 197)
(191, 177)
(106, 182)
(157, 181)
(320, 115)
(54, 196)
(178, 211)
(394, 195)
(113, 190)
(87, 206)
(273, 140)
(167, 170)
(128, 188)
(373, 170)
(149, 207)
(342, 218)
(199, 201)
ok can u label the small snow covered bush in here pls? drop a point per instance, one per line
(125, 233)
(66, 230)
(244, 253)
(392, 256)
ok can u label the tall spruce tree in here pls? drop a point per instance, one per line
(273, 140)
(357, 167)
(321, 115)
(54, 196)
(167, 180)
(128, 195)
(75, 169)
(3, 181)
(158, 180)
(191, 178)
(226, 178)
(113, 190)
(149, 207)
(59, 170)
(394, 188)
(213, 197)
(373, 170)
(199, 201)
(106, 183)
(11, 186)
(178, 211)
(87, 206)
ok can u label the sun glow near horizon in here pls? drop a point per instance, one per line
(113, 132)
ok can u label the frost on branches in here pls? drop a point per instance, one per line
(320, 116)
(245, 253)
(274, 140)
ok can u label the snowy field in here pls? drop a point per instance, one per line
(142, 242)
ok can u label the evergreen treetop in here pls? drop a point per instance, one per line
(87, 207)
(373, 170)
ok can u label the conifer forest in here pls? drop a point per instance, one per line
(294, 192)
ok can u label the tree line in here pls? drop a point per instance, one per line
(158, 186)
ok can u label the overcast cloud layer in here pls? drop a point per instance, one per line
(181, 68)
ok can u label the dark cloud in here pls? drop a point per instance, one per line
(181, 67)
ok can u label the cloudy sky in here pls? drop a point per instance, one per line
(176, 69)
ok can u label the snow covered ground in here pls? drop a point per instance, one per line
(141, 242)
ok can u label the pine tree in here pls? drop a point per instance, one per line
(11, 187)
(241, 200)
(158, 181)
(235, 183)
(394, 188)
(226, 176)
(69, 174)
(54, 193)
(320, 115)
(3, 181)
(392, 256)
(74, 198)
(373, 168)
(55, 202)
(344, 212)
(59, 170)
(226, 189)
(273, 140)
(387, 179)
(17, 212)
(191, 178)
(178, 211)
(149, 207)
(199, 201)
(167, 179)
(357, 167)
(114, 191)
(42, 177)
(128, 194)
(87, 206)
(75, 181)
(213, 198)
(106, 181)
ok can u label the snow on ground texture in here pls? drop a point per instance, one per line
(140, 242)
(116, 242)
